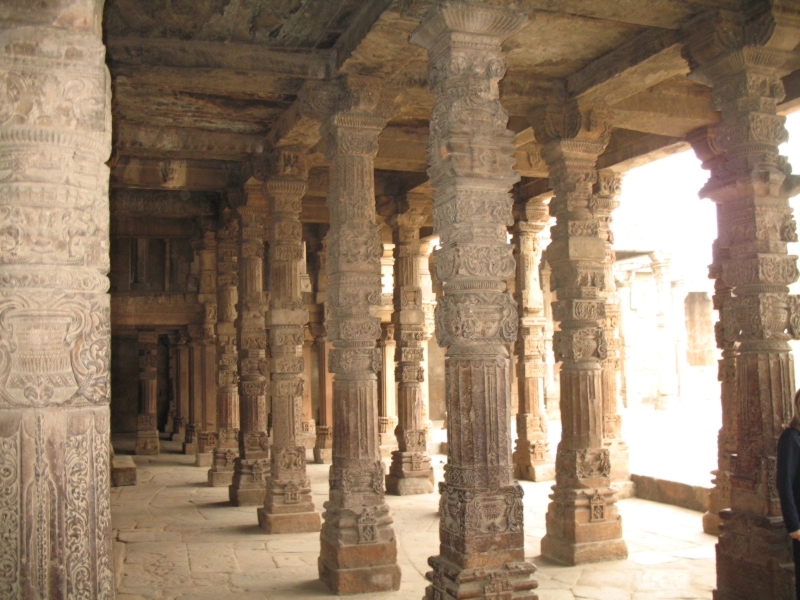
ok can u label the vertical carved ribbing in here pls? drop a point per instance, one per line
(359, 550)
(469, 152)
(287, 506)
(751, 185)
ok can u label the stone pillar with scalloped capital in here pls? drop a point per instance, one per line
(481, 550)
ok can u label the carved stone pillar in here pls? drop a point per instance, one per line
(224, 438)
(532, 458)
(429, 325)
(323, 449)
(668, 367)
(552, 390)
(288, 507)
(387, 397)
(249, 485)
(358, 547)
(605, 201)
(411, 471)
(751, 184)
(147, 428)
(583, 524)
(181, 384)
(55, 334)
(308, 424)
(481, 551)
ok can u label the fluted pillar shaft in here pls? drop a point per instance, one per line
(481, 551)
(532, 458)
(751, 185)
(411, 471)
(251, 467)
(583, 524)
(55, 332)
(147, 441)
(224, 439)
(358, 547)
(288, 507)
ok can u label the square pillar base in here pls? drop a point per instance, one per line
(323, 455)
(251, 494)
(147, 443)
(408, 486)
(543, 472)
(512, 581)
(123, 471)
(301, 522)
(572, 553)
(360, 569)
(220, 478)
(203, 459)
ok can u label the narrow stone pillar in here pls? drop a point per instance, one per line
(387, 397)
(751, 185)
(668, 368)
(323, 448)
(308, 424)
(251, 467)
(358, 547)
(583, 524)
(428, 328)
(55, 333)
(481, 551)
(552, 390)
(288, 507)
(224, 438)
(605, 200)
(681, 337)
(202, 354)
(147, 441)
(181, 387)
(411, 471)
(532, 458)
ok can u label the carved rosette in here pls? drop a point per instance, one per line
(574, 137)
(356, 512)
(248, 486)
(470, 156)
(411, 471)
(743, 58)
(55, 136)
(531, 449)
(225, 440)
(288, 505)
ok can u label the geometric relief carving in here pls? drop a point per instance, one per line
(78, 556)
(53, 350)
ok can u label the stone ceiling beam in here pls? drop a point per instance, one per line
(359, 28)
(629, 149)
(169, 174)
(136, 51)
(646, 60)
(185, 143)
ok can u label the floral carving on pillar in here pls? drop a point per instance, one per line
(359, 550)
(55, 338)
(146, 426)
(288, 506)
(469, 152)
(532, 458)
(411, 471)
(742, 58)
(224, 438)
(249, 484)
(573, 138)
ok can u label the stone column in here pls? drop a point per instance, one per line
(605, 200)
(429, 325)
(55, 334)
(147, 428)
(358, 547)
(668, 368)
(481, 551)
(323, 449)
(583, 524)
(679, 328)
(308, 424)
(411, 471)
(387, 398)
(751, 184)
(224, 439)
(552, 390)
(532, 458)
(288, 507)
(181, 387)
(251, 469)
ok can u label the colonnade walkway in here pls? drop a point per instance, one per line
(177, 538)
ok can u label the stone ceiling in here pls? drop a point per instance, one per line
(201, 85)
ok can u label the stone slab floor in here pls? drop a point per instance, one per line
(177, 538)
